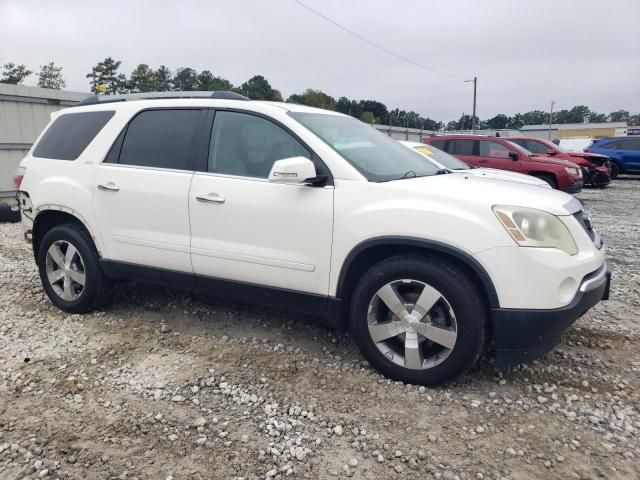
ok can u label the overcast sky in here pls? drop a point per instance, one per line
(524, 52)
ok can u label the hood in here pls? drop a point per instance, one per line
(504, 175)
(555, 161)
(588, 155)
(476, 189)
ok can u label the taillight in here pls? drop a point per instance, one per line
(18, 176)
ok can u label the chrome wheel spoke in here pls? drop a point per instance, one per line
(428, 298)
(67, 293)
(56, 255)
(441, 336)
(77, 277)
(412, 351)
(55, 276)
(384, 331)
(68, 256)
(393, 300)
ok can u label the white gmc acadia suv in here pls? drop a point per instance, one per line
(309, 210)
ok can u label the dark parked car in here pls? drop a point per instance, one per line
(624, 153)
(499, 152)
(595, 167)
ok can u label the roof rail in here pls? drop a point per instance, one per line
(217, 94)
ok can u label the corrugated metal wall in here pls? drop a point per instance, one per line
(24, 112)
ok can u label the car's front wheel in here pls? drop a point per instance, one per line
(615, 169)
(419, 319)
(70, 270)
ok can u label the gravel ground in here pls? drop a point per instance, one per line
(165, 386)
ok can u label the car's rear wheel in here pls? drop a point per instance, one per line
(418, 320)
(70, 270)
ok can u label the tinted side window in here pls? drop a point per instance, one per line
(534, 147)
(610, 145)
(160, 138)
(629, 145)
(493, 150)
(460, 147)
(438, 144)
(70, 134)
(247, 145)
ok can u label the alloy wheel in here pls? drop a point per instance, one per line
(65, 270)
(412, 324)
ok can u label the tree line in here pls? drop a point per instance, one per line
(105, 77)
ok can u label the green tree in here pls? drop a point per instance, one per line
(576, 115)
(314, 98)
(105, 73)
(142, 79)
(348, 107)
(597, 117)
(619, 116)
(14, 74)
(378, 109)
(185, 80)
(208, 82)
(535, 117)
(368, 117)
(258, 88)
(163, 79)
(498, 122)
(50, 76)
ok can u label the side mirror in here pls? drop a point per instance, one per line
(514, 156)
(551, 151)
(295, 170)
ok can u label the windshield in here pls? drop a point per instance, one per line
(443, 158)
(520, 148)
(378, 157)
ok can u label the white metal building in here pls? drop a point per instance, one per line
(24, 112)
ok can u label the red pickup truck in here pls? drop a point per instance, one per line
(499, 152)
(595, 167)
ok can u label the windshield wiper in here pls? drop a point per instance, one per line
(408, 173)
(442, 171)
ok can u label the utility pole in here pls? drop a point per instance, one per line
(550, 119)
(473, 117)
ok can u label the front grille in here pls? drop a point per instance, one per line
(584, 219)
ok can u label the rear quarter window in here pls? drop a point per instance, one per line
(69, 134)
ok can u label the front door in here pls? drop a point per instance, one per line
(246, 229)
(496, 155)
(141, 191)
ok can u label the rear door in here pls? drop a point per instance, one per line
(494, 154)
(629, 152)
(141, 190)
(464, 149)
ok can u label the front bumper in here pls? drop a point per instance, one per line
(522, 335)
(575, 185)
(596, 177)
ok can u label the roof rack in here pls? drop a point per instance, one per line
(217, 94)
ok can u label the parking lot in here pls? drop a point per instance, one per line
(169, 385)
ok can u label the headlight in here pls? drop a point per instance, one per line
(535, 228)
(573, 171)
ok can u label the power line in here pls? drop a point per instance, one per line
(376, 45)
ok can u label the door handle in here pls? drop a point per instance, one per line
(108, 187)
(210, 198)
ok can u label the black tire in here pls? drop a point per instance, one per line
(615, 169)
(458, 290)
(549, 179)
(97, 291)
